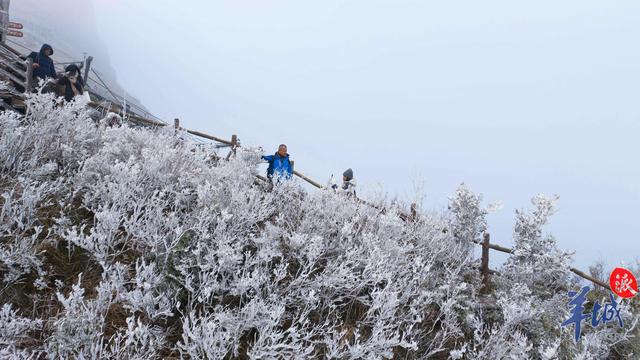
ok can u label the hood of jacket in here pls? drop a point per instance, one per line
(44, 48)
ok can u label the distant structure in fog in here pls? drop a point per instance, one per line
(47, 22)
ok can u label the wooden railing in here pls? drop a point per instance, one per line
(15, 69)
(486, 272)
(11, 69)
(486, 244)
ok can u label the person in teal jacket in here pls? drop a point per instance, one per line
(279, 164)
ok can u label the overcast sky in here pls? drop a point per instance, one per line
(513, 98)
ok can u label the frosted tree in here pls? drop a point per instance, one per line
(536, 260)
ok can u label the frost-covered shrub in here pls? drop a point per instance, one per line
(14, 333)
(137, 243)
(468, 221)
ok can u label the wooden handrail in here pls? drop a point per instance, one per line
(12, 50)
(486, 244)
(13, 78)
(307, 179)
(207, 136)
(590, 278)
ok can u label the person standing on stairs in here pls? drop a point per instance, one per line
(43, 67)
(279, 164)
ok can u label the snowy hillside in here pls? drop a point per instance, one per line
(128, 243)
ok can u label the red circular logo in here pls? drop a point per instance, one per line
(623, 283)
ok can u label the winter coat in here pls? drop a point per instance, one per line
(280, 166)
(46, 68)
(69, 88)
(349, 187)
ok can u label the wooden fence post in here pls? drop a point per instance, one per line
(414, 212)
(4, 19)
(292, 164)
(234, 143)
(484, 267)
(176, 125)
(28, 81)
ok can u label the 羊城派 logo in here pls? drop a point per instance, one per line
(622, 283)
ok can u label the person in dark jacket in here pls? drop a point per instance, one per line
(71, 84)
(279, 164)
(43, 64)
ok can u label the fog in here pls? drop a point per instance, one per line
(512, 98)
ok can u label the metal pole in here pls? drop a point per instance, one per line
(87, 68)
(115, 98)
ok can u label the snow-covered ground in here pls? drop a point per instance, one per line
(127, 243)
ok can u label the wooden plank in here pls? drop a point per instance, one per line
(501, 248)
(497, 247)
(157, 123)
(10, 49)
(135, 118)
(12, 77)
(6, 54)
(262, 178)
(210, 137)
(145, 121)
(572, 269)
(590, 278)
(307, 179)
(14, 69)
(9, 56)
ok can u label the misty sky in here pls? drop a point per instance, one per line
(513, 98)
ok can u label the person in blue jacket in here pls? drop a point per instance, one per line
(43, 64)
(279, 164)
